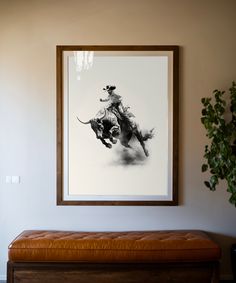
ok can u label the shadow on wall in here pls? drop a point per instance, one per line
(225, 242)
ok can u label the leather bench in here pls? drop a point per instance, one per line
(102, 257)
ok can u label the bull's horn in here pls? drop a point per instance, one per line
(84, 122)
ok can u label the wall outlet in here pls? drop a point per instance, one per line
(15, 179)
(8, 179)
(12, 179)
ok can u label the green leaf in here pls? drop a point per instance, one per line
(213, 180)
(203, 100)
(203, 120)
(207, 184)
(232, 199)
(204, 167)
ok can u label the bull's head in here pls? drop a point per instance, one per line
(96, 124)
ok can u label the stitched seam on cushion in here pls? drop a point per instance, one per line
(69, 249)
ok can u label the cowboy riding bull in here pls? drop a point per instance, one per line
(109, 126)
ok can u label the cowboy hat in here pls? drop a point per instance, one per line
(109, 87)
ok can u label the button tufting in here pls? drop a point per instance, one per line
(141, 246)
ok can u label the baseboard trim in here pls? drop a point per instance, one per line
(3, 277)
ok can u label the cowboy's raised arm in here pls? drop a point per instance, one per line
(104, 100)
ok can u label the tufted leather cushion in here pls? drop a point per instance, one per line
(104, 247)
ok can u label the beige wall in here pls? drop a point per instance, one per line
(29, 32)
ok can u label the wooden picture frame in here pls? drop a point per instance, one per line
(105, 155)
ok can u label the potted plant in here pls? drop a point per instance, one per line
(220, 155)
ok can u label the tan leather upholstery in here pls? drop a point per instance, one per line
(105, 247)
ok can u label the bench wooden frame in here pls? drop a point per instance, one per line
(75, 272)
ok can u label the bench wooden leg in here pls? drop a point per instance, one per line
(10, 272)
(216, 273)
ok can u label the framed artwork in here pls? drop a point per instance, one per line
(117, 125)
